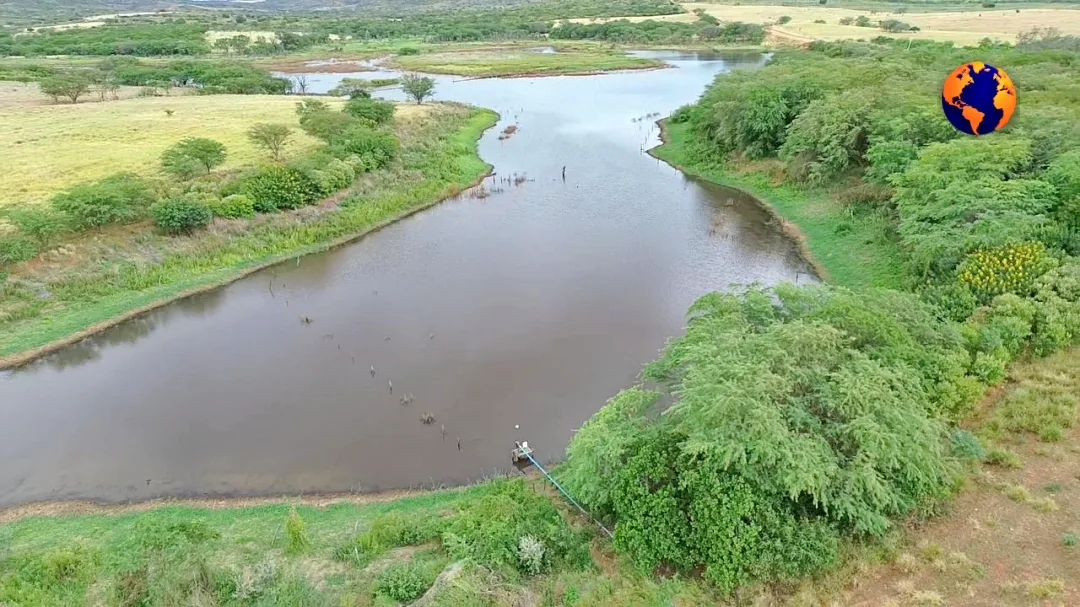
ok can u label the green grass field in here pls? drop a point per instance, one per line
(517, 61)
(51, 147)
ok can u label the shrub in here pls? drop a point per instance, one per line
(895, 26)
(119, 198)
(488, 529)
(863, 21)
(181, 215)
(784, 19)
(403, 582)
(373, 111)
(296, 539)
(15, 248)
(530, 555)
(846, 20)
(376, 147)
(1012, 268)
(964, 445)
(277, 187)
(408, 50)
(326, 124)
(39, 222)
(191, 156)
(233, 206)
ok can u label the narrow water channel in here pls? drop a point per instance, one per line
(510, 317)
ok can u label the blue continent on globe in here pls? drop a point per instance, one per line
(978, 98)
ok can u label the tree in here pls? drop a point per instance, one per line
(192, 155)
(417, 87)
(72, 85)
(224, 44)
(39, 222)
(271, 137)
(300, 84)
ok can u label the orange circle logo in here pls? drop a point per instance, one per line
(978, 98)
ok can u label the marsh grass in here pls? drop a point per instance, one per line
(516, 62)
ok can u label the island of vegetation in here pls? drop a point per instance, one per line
(904, 433)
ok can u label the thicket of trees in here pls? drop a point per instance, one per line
(804, 415)
(173, 37)
(706, 29)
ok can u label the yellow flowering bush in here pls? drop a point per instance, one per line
(1011, 268)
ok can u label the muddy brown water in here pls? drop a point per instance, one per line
(511, 317)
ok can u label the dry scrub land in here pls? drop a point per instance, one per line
(964, 28)
(51, 147)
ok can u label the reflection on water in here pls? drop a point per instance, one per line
(525, 308)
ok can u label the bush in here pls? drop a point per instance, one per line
(278, 187)
(964, 445)
(846, 20)
(863, 21)
(895, 26)
(403, 582)
(784, 19)
(408, 50)
(181, 215)
(120, 198)
(489, 529)
(376, 147)
(234, 206)
(15, 248)
(373, 111)
(326, 124)
(530, 555)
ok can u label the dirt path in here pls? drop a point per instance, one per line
(1011, 535)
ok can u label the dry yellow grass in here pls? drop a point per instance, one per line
(963, 28)
(19, 94)
(51, 147)
(213, 36)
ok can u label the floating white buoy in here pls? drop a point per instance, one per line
(516, 426)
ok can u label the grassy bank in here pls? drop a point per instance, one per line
(127, 270)
(851, 249)
(456, 547)
(519, 62)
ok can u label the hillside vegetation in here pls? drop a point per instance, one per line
(806, 417)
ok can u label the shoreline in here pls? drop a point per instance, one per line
(789, 228)
(78, 507)
(24, 357)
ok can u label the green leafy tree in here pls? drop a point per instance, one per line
(829, 136)
(71, 85)
(42, 223)
(417, 87)
(191, 156)
(271, 137)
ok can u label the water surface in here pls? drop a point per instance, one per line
(510, 317)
